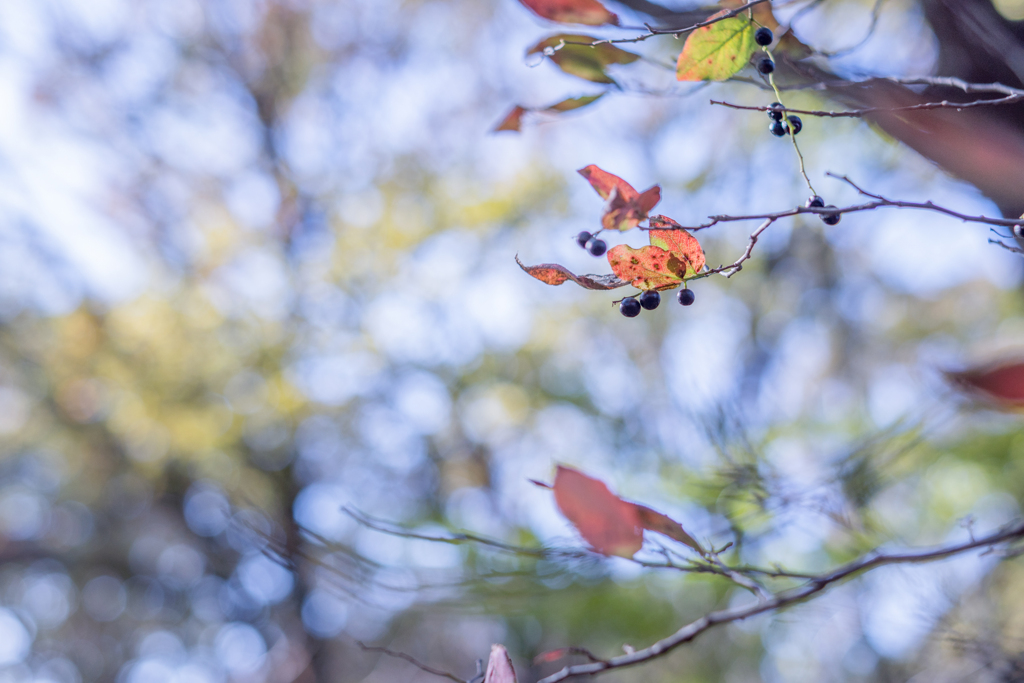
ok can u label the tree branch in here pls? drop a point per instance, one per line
(785, 599)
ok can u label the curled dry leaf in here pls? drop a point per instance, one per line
(575, 55)
(554, 274)
(1001, 384)
(589, 12)
(611, 526)
(718, 51)
(499, 666)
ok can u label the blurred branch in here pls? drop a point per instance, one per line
(856, 113)
(412, 660)
(785, 599)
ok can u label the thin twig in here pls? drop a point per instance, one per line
(785, 599)
(676, 32)
(412, 660)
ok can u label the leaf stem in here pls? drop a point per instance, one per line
(792, 135)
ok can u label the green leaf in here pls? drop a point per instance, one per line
(718, 51)
(573, 103)
(575, 55)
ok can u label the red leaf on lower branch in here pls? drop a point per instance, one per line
(647, 267)
(612, 526)
(998, 383)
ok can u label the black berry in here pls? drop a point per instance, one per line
(629, 307)
(778, 128)
(796, 124)
(686, 296)
(596, 247)
(775, 111)
(766, 66)
(814, 202)
(650, 300)
(763, 36)
(583, 238)
(831, 218)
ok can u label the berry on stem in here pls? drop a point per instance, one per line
(583, 238)
(650, 300)
(796, 124)
(774, 111)
(831, 218)
(629, 307)
(766, 66)
(778, 128)
(814, 202)
(686, 296)
(596, 246)
(763, 36)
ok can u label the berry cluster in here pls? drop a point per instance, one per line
(591, 243)
(780, 127)
(631, 305)
(817, 202)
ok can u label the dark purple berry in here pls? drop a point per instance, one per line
(629, 307)
(650, 300)
(831, 218)
(596, 247)
(814, 202)
(775, 111)
(583, 238)
(686, 296)
(796, 124)
(778, 128)
(763, 36)
(766, 66)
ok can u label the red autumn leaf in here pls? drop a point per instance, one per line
(612, 526)
(554, 274)
(609, 524)
(604, 182)
(646, 268)
(513, 121)
(552, 656)
(499, 666)
(589, 12)
(626, 207)
(678, 242)
(652, 520)
(1000, 383)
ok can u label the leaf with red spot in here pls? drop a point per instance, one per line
(578, 56)
(646, 268)
(1001, 384)
(589, 12)
(499, 666)
(554, 274)
(679, 242)
(718, 51)
(609, 524)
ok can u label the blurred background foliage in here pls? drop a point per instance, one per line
(256, 267)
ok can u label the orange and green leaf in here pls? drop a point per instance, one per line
(588, 12)
(646, 268)
(554, 274)
(718, 51)
(678, 242)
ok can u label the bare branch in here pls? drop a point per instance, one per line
(675, 32)
(857, 113)
(412, 660)
(785, 599)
